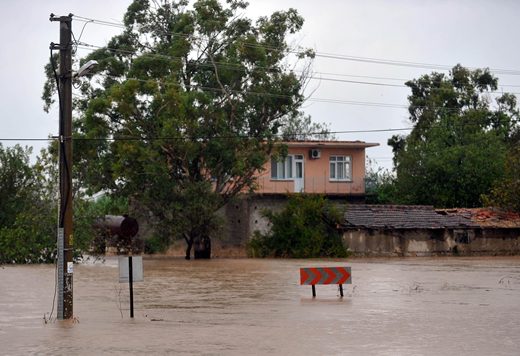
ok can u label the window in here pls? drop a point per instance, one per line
(282, 169)
(340, 168)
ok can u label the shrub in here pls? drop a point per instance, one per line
(306, 228)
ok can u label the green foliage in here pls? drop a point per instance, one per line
(300, 127)
(458, 146)
(506, 192)
(306, 228)
(28, 214)
(31, 239)
(87, 238)
(156, 244)
(380, 186)
(179, 94)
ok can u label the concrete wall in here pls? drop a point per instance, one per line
(423, 242)
(244, 216)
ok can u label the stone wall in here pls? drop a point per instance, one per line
(431, 242)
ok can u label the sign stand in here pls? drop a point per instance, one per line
(131, 283)
(131, 271)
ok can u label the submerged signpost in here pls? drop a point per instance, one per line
(131, 270)
(325, 275)
(121, 230)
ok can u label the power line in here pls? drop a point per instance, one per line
(283, 96)
(336, 56)
(239, 67)
(99, 22)
(28, 139)
(407, 63)
(135, 138)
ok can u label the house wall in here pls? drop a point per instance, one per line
(426, 242)
(316, 173)
(244, 216)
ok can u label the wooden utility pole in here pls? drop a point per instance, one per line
(65, 235)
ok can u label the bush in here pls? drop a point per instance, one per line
(156, 244)
(29, 240)
(306, 228)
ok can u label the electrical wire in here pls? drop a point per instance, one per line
(135, 138)
(59, 212)
(239, 67)
(226, 137)
(61, 140)
(336, 56)
(283, 96)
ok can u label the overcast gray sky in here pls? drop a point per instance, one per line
(475, 33)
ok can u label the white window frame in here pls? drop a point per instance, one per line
(340, 167)
(284, 168)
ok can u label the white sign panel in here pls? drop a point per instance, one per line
(137, 269)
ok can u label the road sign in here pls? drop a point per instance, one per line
(325, 275)
(137, 269)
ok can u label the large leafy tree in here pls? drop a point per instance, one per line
(27, 216)
(506, 191)
(185, 107)
(458, 146)
(300, 127)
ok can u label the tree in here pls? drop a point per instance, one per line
(506, 191)
(27, 217)
(380, 185)
(457, 148)
(300, 127)
(186, 109)
(307, 227)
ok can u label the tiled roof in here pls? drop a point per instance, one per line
(402, 217)
(487, 217)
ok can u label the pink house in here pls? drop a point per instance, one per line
(323, 167)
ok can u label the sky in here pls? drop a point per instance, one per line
(363, 96)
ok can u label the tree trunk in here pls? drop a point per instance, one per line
(189, 243)
(202, 247)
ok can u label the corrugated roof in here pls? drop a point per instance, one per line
(402, 217)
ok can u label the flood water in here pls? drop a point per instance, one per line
(418, 306)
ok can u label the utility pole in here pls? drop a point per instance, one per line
(65, 236)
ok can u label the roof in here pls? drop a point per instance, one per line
(486, 217)
(402, 217)
(331, 144)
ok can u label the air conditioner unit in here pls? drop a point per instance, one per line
(315, 153)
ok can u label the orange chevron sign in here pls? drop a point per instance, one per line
(325, 275)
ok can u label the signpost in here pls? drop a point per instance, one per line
(131, 270)
(325, 275)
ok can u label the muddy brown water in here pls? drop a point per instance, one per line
(418, 306)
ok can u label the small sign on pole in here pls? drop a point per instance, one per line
(137, 269)
(131, 270)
